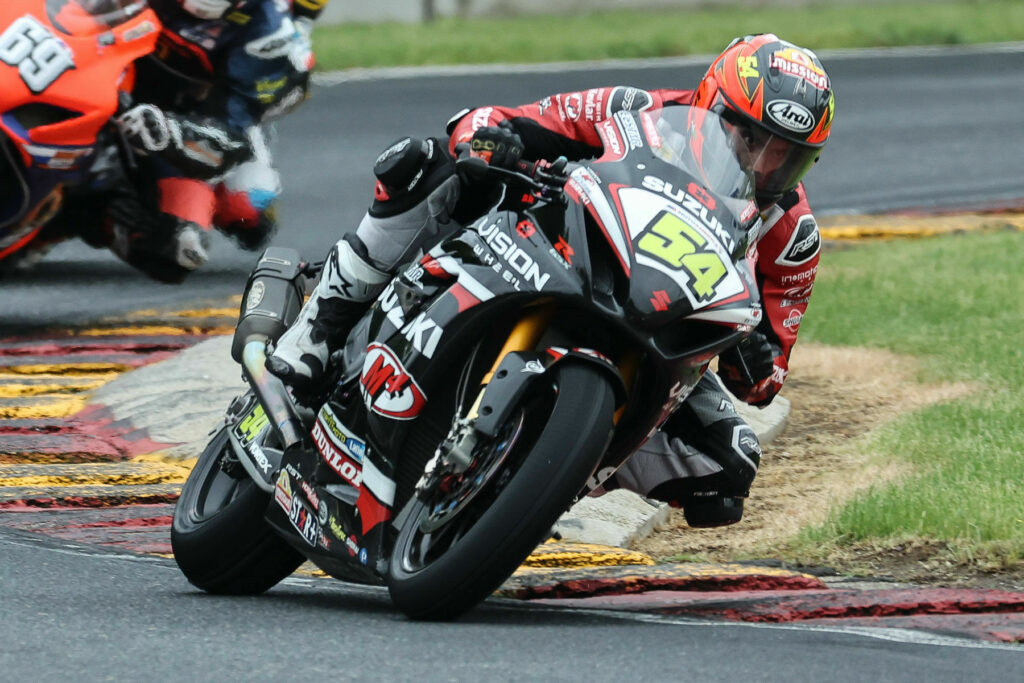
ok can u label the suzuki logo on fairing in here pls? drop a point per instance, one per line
(424, 334)
(387, 387)
(693, 206)
(517, 259)
(791, 115)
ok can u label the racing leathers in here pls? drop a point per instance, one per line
(705, 457)
(195, 123)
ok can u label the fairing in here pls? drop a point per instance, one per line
(63, 64)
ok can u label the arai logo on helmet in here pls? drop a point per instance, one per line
(791, 115)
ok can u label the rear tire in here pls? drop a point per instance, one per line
(220, 539)
(502, 531)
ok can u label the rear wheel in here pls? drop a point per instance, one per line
(458, 543)
(220, 539)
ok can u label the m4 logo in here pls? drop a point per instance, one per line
(387, 387)
(39, 56)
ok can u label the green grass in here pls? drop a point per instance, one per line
(633, 34)
(956, 304)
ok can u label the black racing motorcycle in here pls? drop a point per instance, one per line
(504, 374)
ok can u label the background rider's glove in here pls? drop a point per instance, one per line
(146, 128)
(498, 145)
(201, 147)
(754, 369)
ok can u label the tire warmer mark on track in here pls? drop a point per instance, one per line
(72, 471)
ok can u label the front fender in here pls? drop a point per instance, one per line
(520, 370)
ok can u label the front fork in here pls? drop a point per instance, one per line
(455, 455)
(523, 337)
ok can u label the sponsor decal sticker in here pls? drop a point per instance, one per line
(518, 260)
(350, 444)
(39, 56)
(387, 387)
(283, 491)
(628, 99)
(481, 117)
(791, 115)
(804, 244)
(573, 105)
(335, 526)
(792, 321)
(252, 426)
(255, 295)
(798, 63)
(277, 44)
(304, 521)
(346, 469)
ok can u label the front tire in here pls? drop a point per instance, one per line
(492, 537)
(219, 537)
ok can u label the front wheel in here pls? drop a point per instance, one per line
(219, 537)
(443, 565)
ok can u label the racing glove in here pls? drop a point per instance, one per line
(201, 148)
(498, 145)
(754, 369)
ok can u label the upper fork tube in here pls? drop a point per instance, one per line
(271, 393)
(524, 336)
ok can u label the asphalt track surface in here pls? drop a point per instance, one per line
(82, 612)
(97, 613)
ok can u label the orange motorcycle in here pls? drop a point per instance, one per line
(64, 64)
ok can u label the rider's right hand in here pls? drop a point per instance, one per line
(498, 145)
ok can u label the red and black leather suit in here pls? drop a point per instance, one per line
(705, 450)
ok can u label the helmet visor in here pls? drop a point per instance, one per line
(778, 164)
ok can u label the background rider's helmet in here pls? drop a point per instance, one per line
(210, 9)
(780, 99)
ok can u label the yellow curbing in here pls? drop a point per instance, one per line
(43, 409)
(161, 458)
(135, 331)
(107, 370)
(892, 226)
(23, 390)
(557, 554)
(140, 471)
(215, 312)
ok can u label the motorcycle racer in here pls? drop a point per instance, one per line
(196, 120)
(773, 94)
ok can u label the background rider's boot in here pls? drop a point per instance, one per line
(347, 287)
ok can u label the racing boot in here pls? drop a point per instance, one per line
(348, 285)
(163, 246)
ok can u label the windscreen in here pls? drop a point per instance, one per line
(701, 143)
(88, 17)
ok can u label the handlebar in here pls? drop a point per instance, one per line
(542, 177)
